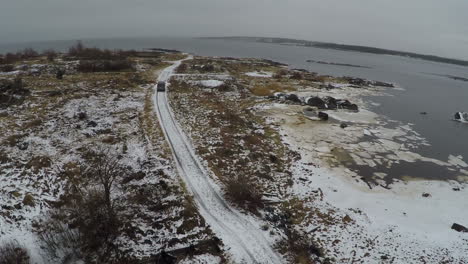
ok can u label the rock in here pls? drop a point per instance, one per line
(331, 103)
(345, 104)
(23, 145)
(317, 102)
(343, 125)
(323, 116)
(459, 228)
(353, 107)
(293, 98)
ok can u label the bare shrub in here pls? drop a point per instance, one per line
(244, 192)
(105, 66)
(86, 221)
(50, 54)
(29, 53)
(57, 237)
(11, 58)
(302, 248)
(13, 253)
(80, 51)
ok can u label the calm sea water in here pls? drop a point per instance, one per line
(425, 91)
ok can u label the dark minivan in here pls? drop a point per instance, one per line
(161, 87)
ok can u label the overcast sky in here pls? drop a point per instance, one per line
(428, 26)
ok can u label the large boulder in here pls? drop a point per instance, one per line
(345, 104)
(323, 116)
(317, 102)
(331, 103)
(459, 228)
(294, 98)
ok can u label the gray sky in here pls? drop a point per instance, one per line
(428, 26)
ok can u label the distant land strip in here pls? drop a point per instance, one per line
(338, 64)
(453, 77)
(344, 47)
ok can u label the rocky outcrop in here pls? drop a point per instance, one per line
(461, 116)
(367, 83)
(293, 98)
(330, 103)
(325, 103)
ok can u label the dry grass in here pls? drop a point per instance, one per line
(270, 88)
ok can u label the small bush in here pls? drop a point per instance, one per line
(59, 74)
(7, 68)
(13, 253)
(244, 192)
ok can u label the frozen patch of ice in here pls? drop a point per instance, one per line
(457, 161)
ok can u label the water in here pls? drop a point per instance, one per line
(425, 89)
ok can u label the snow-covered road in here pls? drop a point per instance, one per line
(240, 233)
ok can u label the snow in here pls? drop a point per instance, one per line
(10, 73)
(211, 83)
(261, 74)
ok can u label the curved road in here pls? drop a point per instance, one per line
(240, 233)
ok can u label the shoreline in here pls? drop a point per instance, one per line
(405, 207)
